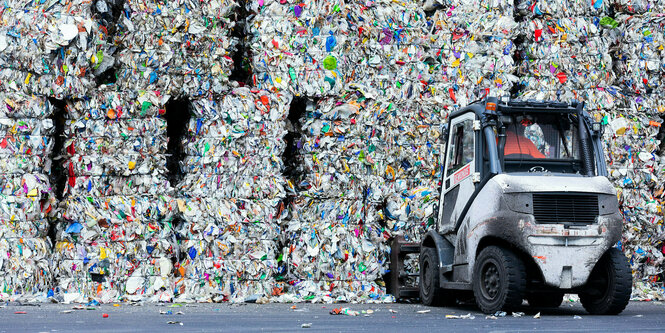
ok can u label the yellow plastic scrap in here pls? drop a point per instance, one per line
(346, 167)
(390, 171)
(102, 253)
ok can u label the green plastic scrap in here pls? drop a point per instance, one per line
(330, 63)
(145, 106)
(609, 22)
(330, 81)
(292, 73)
(99, 57)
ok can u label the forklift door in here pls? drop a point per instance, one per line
(457, 186)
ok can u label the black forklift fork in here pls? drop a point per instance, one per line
(398, 275)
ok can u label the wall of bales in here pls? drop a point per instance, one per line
(270, 150)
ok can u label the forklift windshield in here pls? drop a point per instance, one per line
(541, 143)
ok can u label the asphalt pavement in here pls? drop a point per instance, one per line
(570, 317)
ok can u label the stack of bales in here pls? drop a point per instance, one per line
(471, 57)
(367, 162)
(333, 250)
(474, 46)
(116, 238)
(230, 196)
(379, 79)
(637, 163)
(46, 50)
(27, 203)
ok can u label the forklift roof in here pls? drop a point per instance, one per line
(539, 107)
(479, 107)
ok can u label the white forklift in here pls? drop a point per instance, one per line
(526, 212)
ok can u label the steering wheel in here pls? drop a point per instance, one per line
(538, 168)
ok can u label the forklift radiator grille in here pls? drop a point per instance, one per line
(576, 209)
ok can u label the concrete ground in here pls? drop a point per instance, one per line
(570, 317)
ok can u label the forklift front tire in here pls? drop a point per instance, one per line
(499, 280)
(430, 293)
(610, 285)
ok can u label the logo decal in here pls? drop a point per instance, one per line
(461, 174)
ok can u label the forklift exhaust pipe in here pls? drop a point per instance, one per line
(587, 158)
(502, 144)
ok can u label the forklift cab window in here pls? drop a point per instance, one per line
(461, 146)
(543, 142)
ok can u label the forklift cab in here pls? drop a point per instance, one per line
(491, 138)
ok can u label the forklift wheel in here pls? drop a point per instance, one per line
(610, 284)
(545, 300)
(430, 293)
(499, 280)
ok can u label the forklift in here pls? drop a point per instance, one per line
(526, 212)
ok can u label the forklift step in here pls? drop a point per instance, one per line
(411, 292)
(457, 285)
(409, 248)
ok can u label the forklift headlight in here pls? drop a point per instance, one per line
(596, 127)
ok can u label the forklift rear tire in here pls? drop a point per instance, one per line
(499, 280)
(430, 293)
(609, 286)
(545, 300)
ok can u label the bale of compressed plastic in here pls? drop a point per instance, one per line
(231, 196)
(116, 239)
(27, 202)
(182, 48)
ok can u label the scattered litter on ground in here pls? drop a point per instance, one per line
(466, 316)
